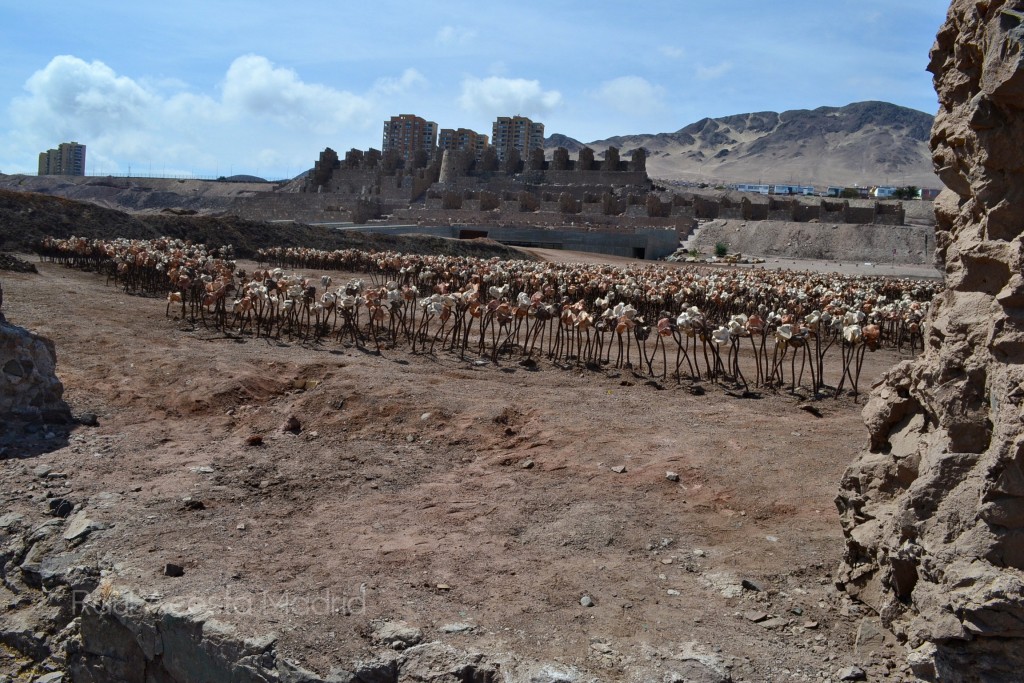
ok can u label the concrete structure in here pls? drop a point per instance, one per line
(407, 134)
(67, 159)
(462, 140)
(642, 243)
(518, 133)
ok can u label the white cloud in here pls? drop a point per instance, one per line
(454, 35)
(710, 73)
(70, 95)
(496, 96)
(672, 52)
(124, 121)
(410, 78)
(254, 86)
(631, 95)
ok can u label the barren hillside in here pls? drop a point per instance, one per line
(905, 244)
(27, 217)
(862, 143)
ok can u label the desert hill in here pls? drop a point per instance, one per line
(866, 143)
(27, 217)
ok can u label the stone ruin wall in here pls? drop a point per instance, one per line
(933, 511)
(684, 207)
(417, 194)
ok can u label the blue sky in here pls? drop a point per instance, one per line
(225, 86)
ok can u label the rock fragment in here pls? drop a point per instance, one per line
(80, 526)
(390, 632)
(852, 673)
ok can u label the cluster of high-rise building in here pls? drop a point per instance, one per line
(408, 134)
(67, 159)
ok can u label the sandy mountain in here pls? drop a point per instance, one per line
(866, 143)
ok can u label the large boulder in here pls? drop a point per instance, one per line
(29, 388)
(933, 511)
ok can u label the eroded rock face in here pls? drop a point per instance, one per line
(29, 388)
(933, 512)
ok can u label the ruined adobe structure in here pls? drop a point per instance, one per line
(456, 188)
(933, 512)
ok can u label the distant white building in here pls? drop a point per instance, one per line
(804, 190)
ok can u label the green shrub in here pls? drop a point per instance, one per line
(721, 249)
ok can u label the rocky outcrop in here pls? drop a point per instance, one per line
(933, 512)
(123, 639)
(29, 388)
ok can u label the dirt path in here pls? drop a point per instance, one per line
(441, 491)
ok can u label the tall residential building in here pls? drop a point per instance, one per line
(67, 159)
(516, 132)
(462, 140)
(406, 134)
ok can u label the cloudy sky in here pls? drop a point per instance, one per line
(223, 87)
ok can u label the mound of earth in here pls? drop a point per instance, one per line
(904, 244)
(15, 264)
(26, 217)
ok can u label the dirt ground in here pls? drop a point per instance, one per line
(441, 492)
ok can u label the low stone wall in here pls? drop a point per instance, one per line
(304, 208)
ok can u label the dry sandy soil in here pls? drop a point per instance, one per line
(408, 494)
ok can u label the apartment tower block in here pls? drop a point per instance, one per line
(67, 159)
(407, 134)
(462, 140)
(516, 132)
